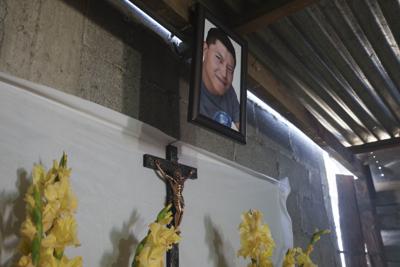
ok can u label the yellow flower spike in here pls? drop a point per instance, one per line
(314, 239)
(38, 174)
(150, 257)
(50, 206)
(317, 235)
(64, 230)
(151, 250)
(50, 192)
(75, 262)
(25, 261)
(162, 236)
(255, 239)
(28, 229)
(289, 260)
(50, 241)
(30, 201)
(47, 258)
(25, 246)
(165, 215)
(304, 260)
(50, 213)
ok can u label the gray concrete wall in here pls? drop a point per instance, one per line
(88, 49)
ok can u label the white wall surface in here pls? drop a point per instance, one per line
(118, 198)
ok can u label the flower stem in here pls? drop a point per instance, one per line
(37, 219)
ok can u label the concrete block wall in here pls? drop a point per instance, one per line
(88, 49)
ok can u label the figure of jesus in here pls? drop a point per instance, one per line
(176, 182)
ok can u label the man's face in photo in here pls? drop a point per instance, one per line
(218, 67)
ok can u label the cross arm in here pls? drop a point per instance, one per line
(168, 166)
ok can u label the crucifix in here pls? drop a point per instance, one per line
(174, 175)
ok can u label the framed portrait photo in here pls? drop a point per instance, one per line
(218, 96)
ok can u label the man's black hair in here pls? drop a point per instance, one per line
(215, 34)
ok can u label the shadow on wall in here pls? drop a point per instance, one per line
(217, 247)
(123, 244)
(144, 76)
(12, 214)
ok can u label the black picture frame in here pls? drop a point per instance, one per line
(203, 19)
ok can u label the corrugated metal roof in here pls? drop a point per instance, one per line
(342, 61)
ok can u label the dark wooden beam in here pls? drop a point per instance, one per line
(375, 146)
(274, 15)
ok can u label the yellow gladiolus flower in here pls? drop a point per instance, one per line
(25, 261)
(289, 260)
(50, 225)
(28, 229)
(160, 235)
(50, 192)
(50, 213)
(65, 232)
(75, 262)
(150, 257)
(255, 238)
(47, 259)
(30, 201)
(304, 260)
(69, 203)
(38, 173)
(265, 258)
(158, 241)
(151, 250)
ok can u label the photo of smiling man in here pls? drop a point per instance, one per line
(218, 98)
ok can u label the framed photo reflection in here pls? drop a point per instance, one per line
(218, 83)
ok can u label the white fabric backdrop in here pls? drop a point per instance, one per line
(118, 198)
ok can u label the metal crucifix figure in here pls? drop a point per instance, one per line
(174, 175)
(176, 183)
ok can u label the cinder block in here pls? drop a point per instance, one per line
(305, 150)
(56, 50)
(100, 81)
(271, 131)
(159, 108)
(19, 30)
(257, 157)
(106, 32)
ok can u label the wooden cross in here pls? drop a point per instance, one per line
(175, 175)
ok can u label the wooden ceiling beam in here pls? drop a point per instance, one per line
(274, 15)
(375, 146)
(292, 108)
